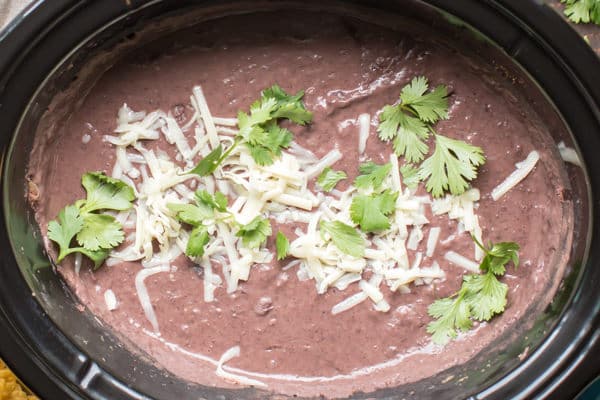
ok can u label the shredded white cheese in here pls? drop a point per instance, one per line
(199, 102)
(349, 302)
(364, 125)
(523, 169)
(569, 154)
(110, 299)
(432, 239)
(330, 158)
(461, 261)
(143, 295)
(279, 191)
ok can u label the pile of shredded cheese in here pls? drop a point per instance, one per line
(281, 192)
(397, 257)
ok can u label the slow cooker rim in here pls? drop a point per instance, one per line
(23, 30)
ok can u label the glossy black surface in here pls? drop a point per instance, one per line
(59, 365)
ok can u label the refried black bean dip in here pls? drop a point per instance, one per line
(310, 205)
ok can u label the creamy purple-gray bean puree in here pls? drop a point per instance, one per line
(282, 325)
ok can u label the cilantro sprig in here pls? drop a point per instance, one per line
(372, 175)
(344, 237)
(282, 244)
(329, 178)
(451, 166)
(206, 207)
(410, 124)
(259, 130)
(255, 232)
(410, 175)
(481, 296)
(371, 212)
(94, 232)
(582, 11)
(372, 206)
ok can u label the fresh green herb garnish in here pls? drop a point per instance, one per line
(410, 123)
(100, 231)
(480, 297)
(209, 164)
(372, 175)
(195, 215)
(407, 122)
(105, 193)
(283, 246)
(371, 212)
(451, 166)
(64, 230)
(583, 10)
(191, 214)
(217, 202)
(329, 178)
(96, 233)
(255, 232)
(410, 175)
(259, 130)
(344, 237)
(198, 239)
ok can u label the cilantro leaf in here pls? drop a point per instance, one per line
(217, 202)
(410, 175)
(585, 11)
(259, 131)
(261, 155)
(105, 193)
(409, 133)
(371, 212)
(430, 107)
(191, 214)
(491, 295)
(389, 122)
(412, 92)
(451, 166)
(266, 142)
(283, 246)
(255, 233)
(100, 231)
(481, 296)
(208, 164)
(260, 113)
(195, 215)
(198, 239)
(410, 123)
(410, 140)
(498, 255)
(288, 106)
(206, 204)
(451, 314)
(407, 122)
(372, 175)
(96, 233)
(62, 231)
(329, 178)
(97, 256)
(344, 237)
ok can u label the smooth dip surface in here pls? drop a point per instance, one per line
(285, 330)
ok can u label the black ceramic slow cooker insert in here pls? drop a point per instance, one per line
(46, 339)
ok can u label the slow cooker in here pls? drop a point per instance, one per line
(45, 338)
